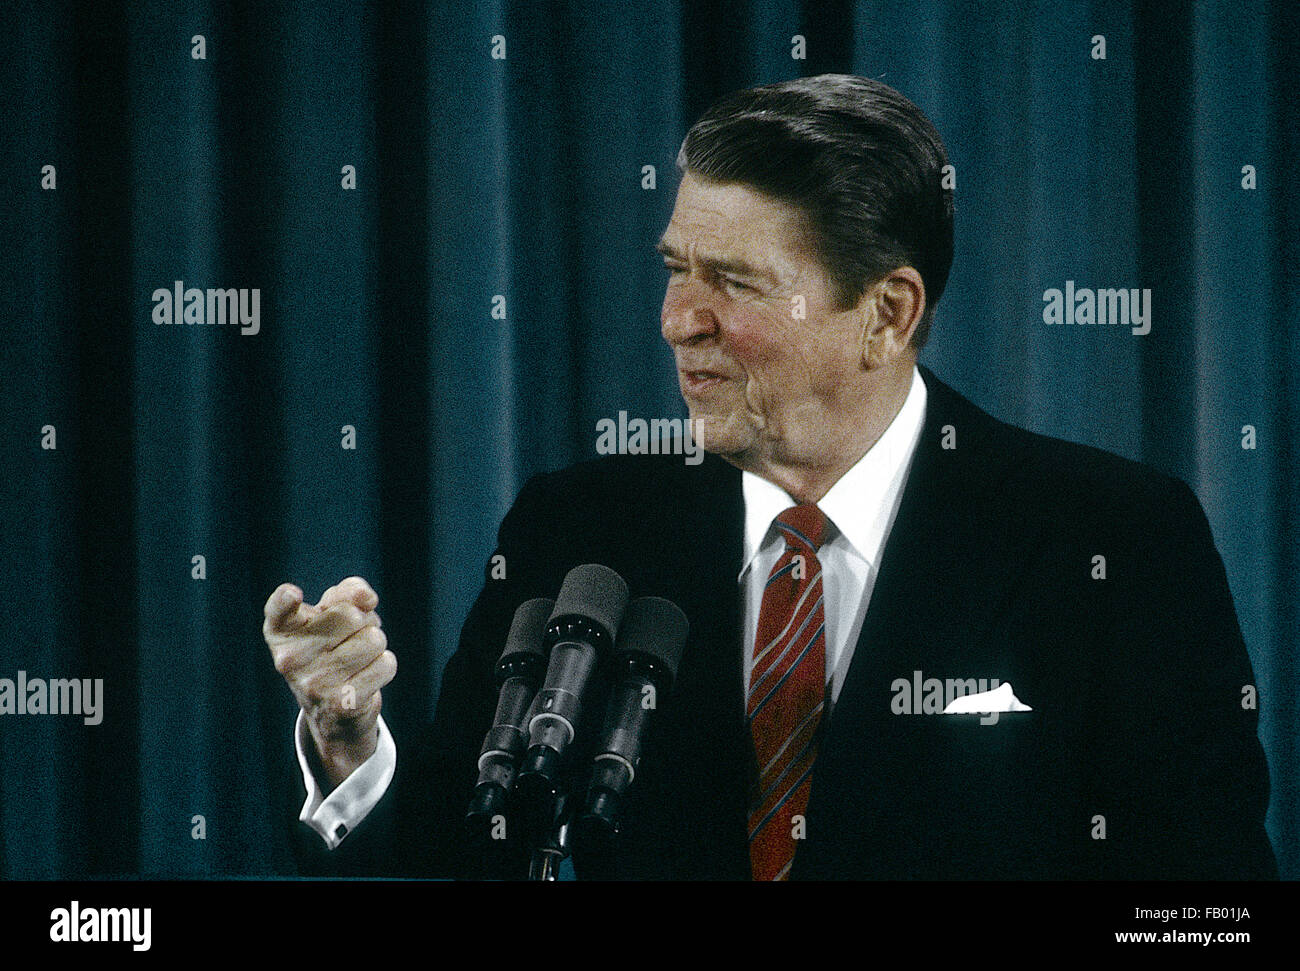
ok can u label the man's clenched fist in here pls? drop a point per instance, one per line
(336, 659)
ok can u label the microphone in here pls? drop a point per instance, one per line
(649, 647)
(582, 626)
(518, 673)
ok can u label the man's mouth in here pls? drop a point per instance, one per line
(696, 381)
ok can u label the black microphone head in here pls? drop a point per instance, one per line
(527, 628)
(592, 592)
(656, 629)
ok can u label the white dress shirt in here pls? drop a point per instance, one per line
(860, 508)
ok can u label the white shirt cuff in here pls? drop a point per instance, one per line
(336, 815)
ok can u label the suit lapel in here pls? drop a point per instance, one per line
(949, 565)
(949, 559)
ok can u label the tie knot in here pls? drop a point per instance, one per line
(803, 526)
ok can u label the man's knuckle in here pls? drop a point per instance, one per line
(318, 686)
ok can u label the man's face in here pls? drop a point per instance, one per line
(772, 378)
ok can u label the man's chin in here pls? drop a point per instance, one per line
(721, 436)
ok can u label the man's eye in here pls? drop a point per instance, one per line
(736, 284)
(672, 270)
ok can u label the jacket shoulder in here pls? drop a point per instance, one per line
(1042, 475)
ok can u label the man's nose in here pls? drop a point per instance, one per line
(686, 315)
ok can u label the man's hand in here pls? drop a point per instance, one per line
(335, 659)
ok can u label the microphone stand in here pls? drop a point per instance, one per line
(553, 849)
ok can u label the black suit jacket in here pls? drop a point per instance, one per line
(1137, 761)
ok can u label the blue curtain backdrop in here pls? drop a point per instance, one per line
(478, 176)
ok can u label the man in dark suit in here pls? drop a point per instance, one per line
(862, 551)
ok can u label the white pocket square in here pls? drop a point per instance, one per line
(1000, 699)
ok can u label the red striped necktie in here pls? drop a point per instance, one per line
(787, 688)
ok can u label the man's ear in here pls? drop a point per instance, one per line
(891, 309)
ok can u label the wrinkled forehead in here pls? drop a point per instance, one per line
(733, 223)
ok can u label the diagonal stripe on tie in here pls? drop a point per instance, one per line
(786, 693)
(811, 719)
(791, 670)
(794, 641)
(775, 790)
(794, 614)
(791, 790)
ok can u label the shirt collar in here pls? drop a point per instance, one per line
(860, 505)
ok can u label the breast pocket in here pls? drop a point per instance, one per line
(1006, 786)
